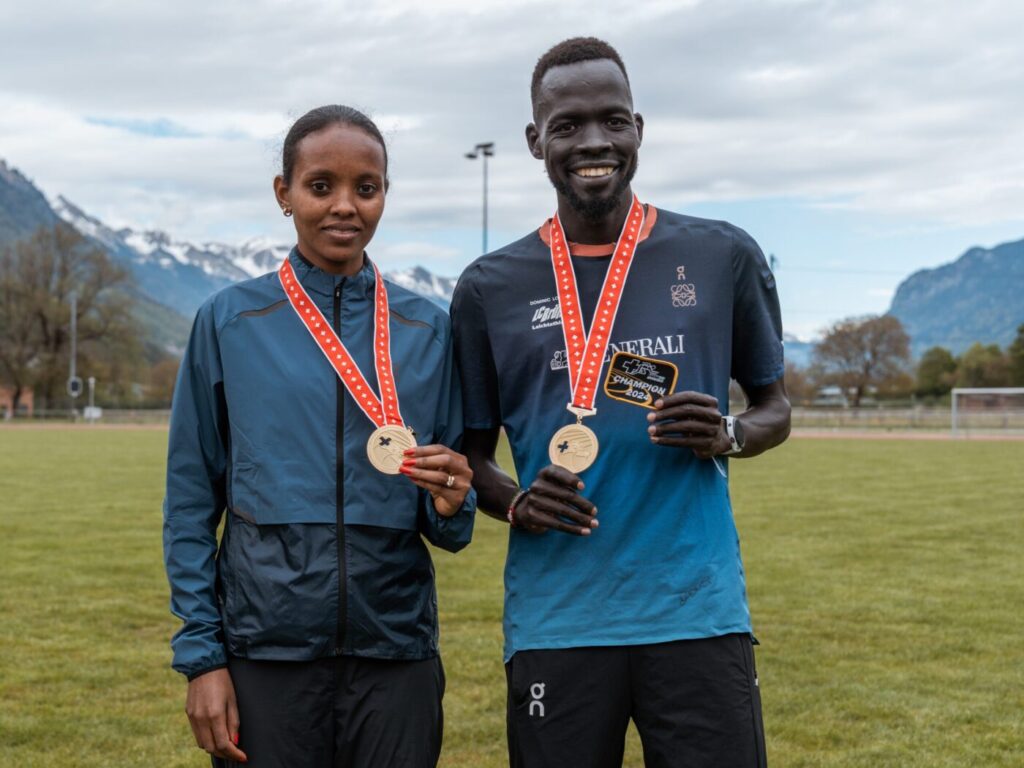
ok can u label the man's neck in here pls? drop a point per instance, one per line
(586, 231)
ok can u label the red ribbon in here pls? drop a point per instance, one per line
(381, 410)
(586, 351)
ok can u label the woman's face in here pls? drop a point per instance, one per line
(336, 195)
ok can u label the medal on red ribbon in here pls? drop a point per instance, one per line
(392, 437)
(575, 446)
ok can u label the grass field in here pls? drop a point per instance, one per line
(886, 583)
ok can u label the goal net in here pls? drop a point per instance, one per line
(987, 410)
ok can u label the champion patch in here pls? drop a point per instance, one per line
(639, 380)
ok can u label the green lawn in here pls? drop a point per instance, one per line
(886, 583)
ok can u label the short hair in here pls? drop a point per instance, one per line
(573, 51)
(318, 119)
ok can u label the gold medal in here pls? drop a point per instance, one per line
(574, 447)
(386, 447)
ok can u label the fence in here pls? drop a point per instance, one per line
(1009, 419)
(1006, 419)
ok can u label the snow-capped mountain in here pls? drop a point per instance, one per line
(425, 283)
(253, 257)
(176, 274)
(182, 274)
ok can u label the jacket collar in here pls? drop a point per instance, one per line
(315, 279)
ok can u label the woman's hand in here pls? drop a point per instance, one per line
(442, 472)
(213, 714)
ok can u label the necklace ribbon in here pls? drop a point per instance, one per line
(383, 410)
(586, 351)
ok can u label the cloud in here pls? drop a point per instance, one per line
(171, 115)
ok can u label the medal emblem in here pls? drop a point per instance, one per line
(386, 448)
(574, 447)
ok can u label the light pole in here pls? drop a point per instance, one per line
(486, 150)
(74, 382)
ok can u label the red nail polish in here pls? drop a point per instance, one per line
(404, 470)
(408, 462)
(234, 739)
(409, 452)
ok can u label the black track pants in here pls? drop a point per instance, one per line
(695, 703)
(343, 712)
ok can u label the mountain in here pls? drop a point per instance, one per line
(23, 208)
(172, 277)
(174, 272)
(978, 297)
(426, 283)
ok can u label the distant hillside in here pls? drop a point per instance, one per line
(23, 209)
(978, 297)
(172, 277)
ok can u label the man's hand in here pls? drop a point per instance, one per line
(689, 420)
(554, 503)
(213, 714)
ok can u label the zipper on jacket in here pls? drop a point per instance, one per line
(339, 449)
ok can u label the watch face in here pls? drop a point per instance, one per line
(737, 431)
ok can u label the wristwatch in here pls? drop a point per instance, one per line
(734, 429)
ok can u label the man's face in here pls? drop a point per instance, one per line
(587, 134)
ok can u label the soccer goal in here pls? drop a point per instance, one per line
(988, 410)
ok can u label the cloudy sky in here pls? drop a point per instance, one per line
(857, 141)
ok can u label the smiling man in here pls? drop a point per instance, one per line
(603, 343)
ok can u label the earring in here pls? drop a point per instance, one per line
(286, 211)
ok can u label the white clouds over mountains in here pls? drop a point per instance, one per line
(170, 115)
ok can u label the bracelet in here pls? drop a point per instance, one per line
(520, 494)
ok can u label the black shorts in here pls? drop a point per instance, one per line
(695, 703)
(343, 711)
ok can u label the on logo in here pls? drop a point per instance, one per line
(536, 694)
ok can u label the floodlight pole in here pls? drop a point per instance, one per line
(74, 334)
(485, 149)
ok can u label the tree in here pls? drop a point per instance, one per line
(1015, 359)
(37, 278)
(798, 384)
(863, 353)
(936, 372)
(983, 366)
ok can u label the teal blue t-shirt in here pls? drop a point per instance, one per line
(665, 562)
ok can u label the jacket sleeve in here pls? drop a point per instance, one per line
(450, 533)
(195, 500)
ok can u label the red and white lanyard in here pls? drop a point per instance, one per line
(381, 411)
(586, 351)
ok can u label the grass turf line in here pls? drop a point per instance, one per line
(885, 583)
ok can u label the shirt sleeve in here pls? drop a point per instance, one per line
(473, 354)
(757, 357)
(196, 499)
(450, 533)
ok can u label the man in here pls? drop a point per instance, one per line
(640, 611)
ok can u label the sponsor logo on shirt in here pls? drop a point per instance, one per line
(684, 294)
(648, 346)
(546, 313)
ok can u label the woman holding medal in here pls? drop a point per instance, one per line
(316, 406)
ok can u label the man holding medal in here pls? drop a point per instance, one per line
(603, 343)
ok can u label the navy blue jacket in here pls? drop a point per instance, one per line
(321, 554)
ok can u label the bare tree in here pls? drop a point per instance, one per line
(861, 353)
(37, 278)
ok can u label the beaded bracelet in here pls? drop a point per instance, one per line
(520, 494)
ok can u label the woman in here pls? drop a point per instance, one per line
(310, 636)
